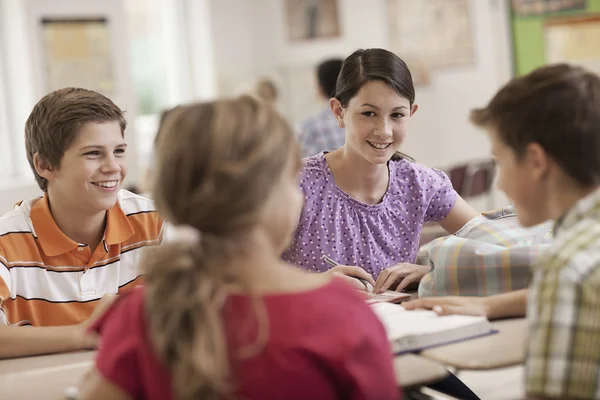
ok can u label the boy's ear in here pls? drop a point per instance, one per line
(538, 160)
(338, 110)
(43, 168)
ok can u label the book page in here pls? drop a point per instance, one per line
(399, 322)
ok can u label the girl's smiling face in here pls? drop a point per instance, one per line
(375, 120)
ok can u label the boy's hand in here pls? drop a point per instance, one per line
(451, 305)
(86, 339)
(404, 274)
(102, 306)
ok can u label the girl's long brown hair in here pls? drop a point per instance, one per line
(217, 163)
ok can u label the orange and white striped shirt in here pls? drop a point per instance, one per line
(47, 279)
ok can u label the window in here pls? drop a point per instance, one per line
(169, 59)
(166, 46)
(15, 95)
(6, 167)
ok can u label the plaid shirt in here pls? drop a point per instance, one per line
(563, 353)
(320, 133)
(491, 254)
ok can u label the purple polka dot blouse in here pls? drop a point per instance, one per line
(371, 236)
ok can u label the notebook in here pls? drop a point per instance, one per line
(389, 296)
(410, 331)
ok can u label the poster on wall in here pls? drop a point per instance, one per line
(431, 34)
(312, 19)
(539, 7)
(77, 53)
(574, 40)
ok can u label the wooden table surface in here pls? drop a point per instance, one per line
(47, 377)
(413, 370)
(503, 349)
(43, 377)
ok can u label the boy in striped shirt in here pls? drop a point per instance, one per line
(61, 253)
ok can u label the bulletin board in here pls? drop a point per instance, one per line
(436, 31)
(77, 53)
(530, 34)
(430, 35)
(574, 40)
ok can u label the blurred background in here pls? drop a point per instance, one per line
(150, 55)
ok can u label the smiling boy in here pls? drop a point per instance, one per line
(82, 240)
(545, 134)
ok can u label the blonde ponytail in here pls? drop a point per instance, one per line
(184, 313)
(217, 163)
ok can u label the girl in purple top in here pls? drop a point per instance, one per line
(365, 203)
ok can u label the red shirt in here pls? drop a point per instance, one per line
(322, 344)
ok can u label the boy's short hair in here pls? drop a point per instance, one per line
(56, 119)
(327, 74)
(556, 106)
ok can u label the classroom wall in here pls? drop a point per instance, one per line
(528, 33)
(247, 47)
(17, 192)
(24, 84)
(250, 41)
(232, 42)
(187, 51)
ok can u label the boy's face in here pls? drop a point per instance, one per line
(522, 181)
(92, 169)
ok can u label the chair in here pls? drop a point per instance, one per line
(474, 179)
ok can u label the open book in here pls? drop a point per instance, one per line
(410, 331)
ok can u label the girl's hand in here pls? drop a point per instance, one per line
(403, 274)
(349, 273)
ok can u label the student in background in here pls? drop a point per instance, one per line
(545, 134)
(365, 203)
(62, 252)
(221, 316)
(323, 132)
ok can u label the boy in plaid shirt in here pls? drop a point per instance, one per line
(545, 134)
(491, 254)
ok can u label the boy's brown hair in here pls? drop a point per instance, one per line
(557, 107)
(56, 119)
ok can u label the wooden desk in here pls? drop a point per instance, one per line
(47, 377)
(503, 349)
(43, 377)
(413, 370)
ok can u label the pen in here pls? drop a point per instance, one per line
(334, 263)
